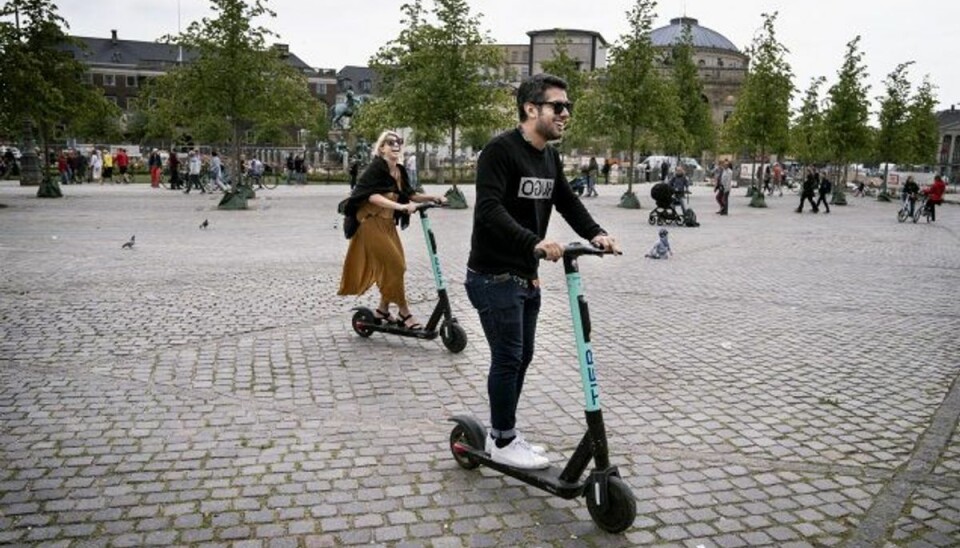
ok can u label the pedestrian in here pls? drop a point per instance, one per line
(173, 164)
(96, 167)
(299, 169)
(519, 181)
(63, 168)
(123, 164)
(606, 171)
(411, 165)
(824, 188)
(354, 170)
(193, 172)
(107, 165)
(382, 199)
(777, 179)
(661, 249)
(290, 173)
(909, 192)
(593, 170)
(726, 183)
(679, 184)
(810, 183)
(216, 172)
(664, 170)
(934, 195)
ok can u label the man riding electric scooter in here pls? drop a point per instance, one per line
(519, 181)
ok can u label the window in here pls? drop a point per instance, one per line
(524, 71)
(365, 86)
(109, 80)
(321, 89)
(514, 56)
(956, 150)
(131, 81)
(719, 61)
(88, 78)
(702, 63)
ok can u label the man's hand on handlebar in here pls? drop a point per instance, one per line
(552, 251)
(607, 243)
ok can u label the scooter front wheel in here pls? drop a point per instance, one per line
(617, 515)
(361, 319)
(902, 215)
(453, 336)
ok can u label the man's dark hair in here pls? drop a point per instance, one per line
(534, 88)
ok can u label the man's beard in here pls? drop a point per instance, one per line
(549, 131)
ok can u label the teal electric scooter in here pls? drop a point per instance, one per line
(441, 322)
(609, 500)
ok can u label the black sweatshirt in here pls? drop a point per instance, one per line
(517, 187)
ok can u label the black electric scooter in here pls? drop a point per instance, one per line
(609, 499)
(365, 323)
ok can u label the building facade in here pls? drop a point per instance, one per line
(121, 67)
(948, 157)
(722, 67)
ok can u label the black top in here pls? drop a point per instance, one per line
(376, 179)
(517, 188)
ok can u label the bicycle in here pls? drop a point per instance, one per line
(904, 212)
(922, 209)
(268, 179)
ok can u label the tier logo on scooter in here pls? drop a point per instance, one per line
(535, 188)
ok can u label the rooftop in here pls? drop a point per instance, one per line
(703, 37)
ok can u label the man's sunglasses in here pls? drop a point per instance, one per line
(393, 142)
(558, 106)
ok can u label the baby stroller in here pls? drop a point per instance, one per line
(665, 213)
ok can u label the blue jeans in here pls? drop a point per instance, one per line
(508, 308)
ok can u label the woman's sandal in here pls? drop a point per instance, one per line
(404, 319)
(382, 316)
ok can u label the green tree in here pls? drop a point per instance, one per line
(631, 97)
(566, 66)
(921, 125)
(41, 84)
(696, 125)
(807, 138)
(848, 136)
(442, 75)
(236, 84)
(892, 143)
(761, 120)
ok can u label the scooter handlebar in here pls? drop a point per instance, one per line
(423, 206)
(576, 249)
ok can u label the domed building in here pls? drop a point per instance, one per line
(723, 66)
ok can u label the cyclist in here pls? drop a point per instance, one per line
(908, 194)
(934, 195)
(256, 172)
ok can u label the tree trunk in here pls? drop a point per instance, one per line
(883, 195)
(236, 197)
(49, 186)
(839, 196)
(629, 200)
(455, 198)
(757, 199)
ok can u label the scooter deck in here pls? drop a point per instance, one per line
(547, 479)
(402, 331)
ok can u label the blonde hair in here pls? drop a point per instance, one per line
(381, 139)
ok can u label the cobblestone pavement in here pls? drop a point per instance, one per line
(784, 379)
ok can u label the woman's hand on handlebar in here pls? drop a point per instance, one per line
(409, 207)
(607, 243)
(550, 250)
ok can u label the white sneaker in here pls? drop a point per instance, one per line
(518, 455)
(538, 449)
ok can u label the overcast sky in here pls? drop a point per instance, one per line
(329, 34)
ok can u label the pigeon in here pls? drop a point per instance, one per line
(129, 245)
(204, 224)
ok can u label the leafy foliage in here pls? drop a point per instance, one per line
(440, 76)
(235, 84)
(892, 144)
(632, 101)
(760, 122)
(847, 114)
(696, 131)
(922, 129)
(40, 81)
(807, 136)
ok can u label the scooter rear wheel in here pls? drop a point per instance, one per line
(453, 336)
(361, 318)
(621, 509)
(460, 435)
